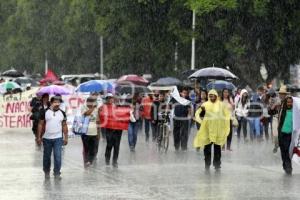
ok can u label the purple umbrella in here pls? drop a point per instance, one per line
(53, 89)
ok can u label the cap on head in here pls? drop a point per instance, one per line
(283, 90)
(109, 95)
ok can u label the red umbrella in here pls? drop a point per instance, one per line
(132, 78)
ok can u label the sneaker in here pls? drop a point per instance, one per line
(275, 150)
(132, 149)
(207, 167)
(288, 172)
(57, 177)
(87, 164)
(107, 162)
(115, 164)
(218, 168)
(47, 175)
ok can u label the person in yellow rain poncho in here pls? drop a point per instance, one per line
(214, 117)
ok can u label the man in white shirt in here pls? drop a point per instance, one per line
(53, 132)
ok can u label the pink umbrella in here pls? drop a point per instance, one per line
(53, 90)
(132, 78)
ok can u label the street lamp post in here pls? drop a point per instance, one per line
(193, 41)
(101, 55)
(46, 62)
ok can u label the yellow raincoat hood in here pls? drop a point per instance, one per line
(214, 92)
(215, 125)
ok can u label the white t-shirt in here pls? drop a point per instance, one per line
(54, 120)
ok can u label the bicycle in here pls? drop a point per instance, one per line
(163, 132)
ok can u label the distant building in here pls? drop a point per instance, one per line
(295, 75)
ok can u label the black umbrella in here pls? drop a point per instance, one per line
(188, 72)
(220, 85)
(213, 73)
(132, 89)
(188, 83)
(12, 73)
(167, 81)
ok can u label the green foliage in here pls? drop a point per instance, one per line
(260, 7)
(141, 36)
(206, 6)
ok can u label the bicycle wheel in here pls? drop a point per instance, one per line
(165, 140)
(159, 137)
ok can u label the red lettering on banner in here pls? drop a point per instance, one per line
(28, 121)
(10, 108)
(22, 107)
(19, 122)
(15, 121)
(80, 101)
(72, 101)
(16, 107)
(75, 102)
(6, 121)
(12, 122)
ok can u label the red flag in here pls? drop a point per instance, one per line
(50, 77)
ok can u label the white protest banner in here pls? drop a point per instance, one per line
(14, 110)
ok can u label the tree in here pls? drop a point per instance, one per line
(141, 36)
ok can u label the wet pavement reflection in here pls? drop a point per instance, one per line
(250, 171)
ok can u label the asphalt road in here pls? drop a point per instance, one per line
(251, 171)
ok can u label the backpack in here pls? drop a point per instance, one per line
(80, 125)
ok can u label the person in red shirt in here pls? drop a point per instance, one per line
(146, 114)
(114, 119)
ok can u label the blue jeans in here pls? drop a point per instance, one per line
(56, 145)
(242, 126)
(255, 127)
(148, 123)
(132, 133)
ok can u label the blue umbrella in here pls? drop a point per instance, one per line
(220, 85)
(95, 86)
